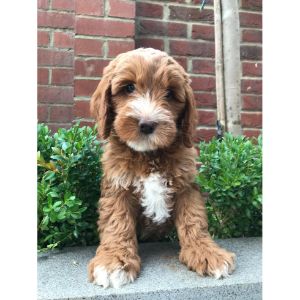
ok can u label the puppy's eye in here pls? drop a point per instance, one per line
(169, 94)
(130, 88)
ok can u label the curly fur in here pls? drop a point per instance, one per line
(147, 185)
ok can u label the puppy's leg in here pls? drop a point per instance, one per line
(198, 251)
(116, 262)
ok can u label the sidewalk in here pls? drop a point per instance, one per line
(63, 275)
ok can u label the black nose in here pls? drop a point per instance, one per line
(147, 127)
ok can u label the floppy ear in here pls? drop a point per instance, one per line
(189, 117)
(100, 105)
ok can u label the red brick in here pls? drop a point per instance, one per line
(63, 5)
(53, 94)
(251, 52)
(84, 87)
(117, 47)
(162, 28)
(252, 102)
(43, 76)
(251, 4)
(90, 68)
(104, 27)
(49, 57)
(149, 10)
(182, 61)
(176, 29)
(203, 83)
(122, 9)
(86, 123)
(64, 40)
(82, 109)
(62, 76)
(42, 113)
(61, 114)
(252, 69)
(43, 38)
(203, 32)
(206, 117)
(251, 86)
(204, 134)
(43, 4)
(252, 120)
(54, 127)
(89, 7)
(192, 48)
(252, 36)
(203, 66)
(251, 132)
(149, 42)
(191, 14)
(88, 47)
(250, 20)
(206, 100)
(55, 19)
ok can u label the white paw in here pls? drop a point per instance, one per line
(116, 279)
(222, 272)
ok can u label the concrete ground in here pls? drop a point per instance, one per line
(63, 275)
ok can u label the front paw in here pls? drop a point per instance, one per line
(107, 270)
(115, 278)
(216, 262)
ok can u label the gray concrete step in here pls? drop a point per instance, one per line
(63, 275)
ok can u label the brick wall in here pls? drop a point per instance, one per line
(55, 62)
(103, 29)
(185, 32)
(77, 39)
(251, 66)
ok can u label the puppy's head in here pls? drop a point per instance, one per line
(144, 98)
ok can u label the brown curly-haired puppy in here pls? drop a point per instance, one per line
(145, 108)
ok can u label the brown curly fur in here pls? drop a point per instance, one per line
(121, 213)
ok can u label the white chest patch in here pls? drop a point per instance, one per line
(154, 197)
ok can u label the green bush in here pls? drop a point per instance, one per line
(69, 174)
(231, 174)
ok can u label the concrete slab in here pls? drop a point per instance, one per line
(63, 275)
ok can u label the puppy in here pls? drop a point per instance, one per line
(145, 109)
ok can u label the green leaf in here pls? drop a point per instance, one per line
(54, 194)
(49, 175)
(56, 150)
(69, 174)
(229, 170)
